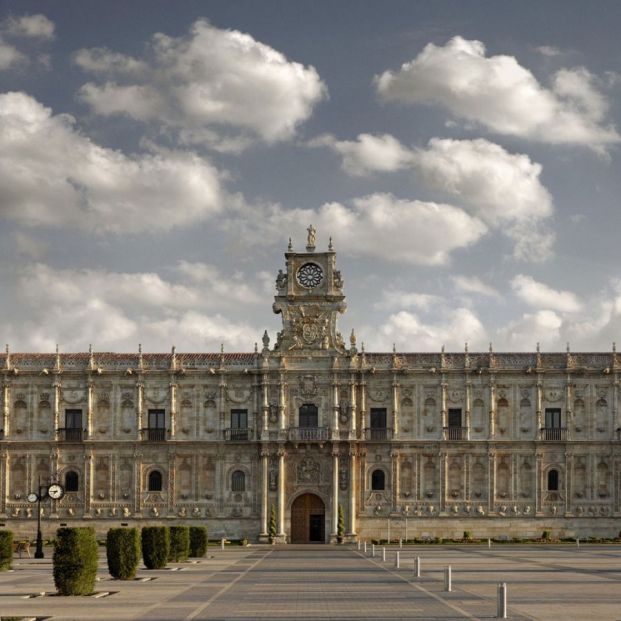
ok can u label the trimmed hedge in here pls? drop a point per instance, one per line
(6, 549)
(155, 546)
(179, 543)
(123, 552)
(75, 561)
(198, 541)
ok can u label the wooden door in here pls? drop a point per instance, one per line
(307, 514)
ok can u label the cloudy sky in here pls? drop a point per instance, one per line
(155, 156)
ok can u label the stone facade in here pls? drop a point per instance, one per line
(438, 443)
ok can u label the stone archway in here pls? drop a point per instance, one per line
(308, 519)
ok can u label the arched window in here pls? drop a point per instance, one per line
(238, 481)
(553, 480)
(72, 481)
(155, 481)
(378, 480)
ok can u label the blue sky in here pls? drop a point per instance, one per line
(156, 156)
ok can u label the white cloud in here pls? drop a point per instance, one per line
(74, 183)
(9, 56)
(398, 299)
(378, 225)
(501, 95)
(473, 284)
(33, 26)
(452, 328)
(206, 80)
(538, 295)
(117, 310)
(523, 334)
(548, 50)
(368, 153)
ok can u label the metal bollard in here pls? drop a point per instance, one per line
(448, 582)
(489, 543)
(222, 544)
(365, 547)
(398, 561)
(373, 549)
(417, 567)
(578, 542)
(383, 554)
(400, 543)
(358, 545)
(501, 613)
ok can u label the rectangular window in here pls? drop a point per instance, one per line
(73, 425)
(553, 418)
(454, 417)
(156, 431)
(239, 425)
(378, 418)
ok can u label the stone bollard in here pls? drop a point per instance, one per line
(578, 542)
(489, 543)
(222, 544)
(400, 543)
(398, 561)
(373, 550)
(383, 554)
(501, 613)
(358, 545)
(448, 580)
(365, 547)
(417, 567)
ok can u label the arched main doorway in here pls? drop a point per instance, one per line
(308, 519)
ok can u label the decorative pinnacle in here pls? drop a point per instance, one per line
(221, 348)
(614, 347)
(490, 348)
(538, 348)
(567, 346)
(330, 246)
(466, 347)
(290, 245)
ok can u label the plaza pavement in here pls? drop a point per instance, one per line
(312, 582)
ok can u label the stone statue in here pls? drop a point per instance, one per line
(266, 341)
(311, 236)
(338, 279)
(281, 281)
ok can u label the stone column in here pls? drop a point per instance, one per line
(396, 479)
(352, 405)
(265, 457)
(569, 470)
(222, 405)
(281, 493)
(57, 399)
(395, 407)
(89, 409)
(443, 480)
(265, 406)
(616, 416)
(137, 482)
(173, 409)
(4, 479)
(172, 471)
(335, 407)
(443, 410)
(468, 407)
(364, 413)
(139, 410)
(88, 481)
(335, 494)
(491, 477)
(492, 408)
(568, 407)
(6, 409)
(538, 475)
(353, 482)
(539, 406)
(281, 405)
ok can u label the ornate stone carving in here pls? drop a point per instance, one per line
(308, 472)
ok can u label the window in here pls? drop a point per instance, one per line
(238, 481)
(378, 480)
(553, 480)
(155, 481)
(454, 417)
(239, 425)
(73, 425)
(72, 481)
(309, 416)
(378, 418)
(553, 418)
(157, 425)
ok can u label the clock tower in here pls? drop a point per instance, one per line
(309, 298)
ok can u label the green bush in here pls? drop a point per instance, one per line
(468, 535)
(155, 546)
(123, 552)
(340, 526)
(273, 528)
(6, 549)
(198, 541)
(179, 543)
(546, 535)
(75, 561)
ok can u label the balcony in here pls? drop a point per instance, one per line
(238, 434)
(309, 434)
(455, 433)
(378, 433)
(153, 434)
(553, 434)
(69, 434)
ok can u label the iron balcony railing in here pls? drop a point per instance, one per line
(455, 433)
(553, 434)
(69, 434)
(238, 434)
(154, 434)
(309, 434)
(378, 433)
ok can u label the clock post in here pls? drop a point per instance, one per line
(51, 490)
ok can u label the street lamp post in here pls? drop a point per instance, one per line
(55, 491)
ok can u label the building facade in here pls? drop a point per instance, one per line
(412, 444)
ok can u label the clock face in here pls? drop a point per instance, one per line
(55, 491)
(32, 497)
(310, 275)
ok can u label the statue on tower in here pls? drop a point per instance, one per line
(310, 243)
